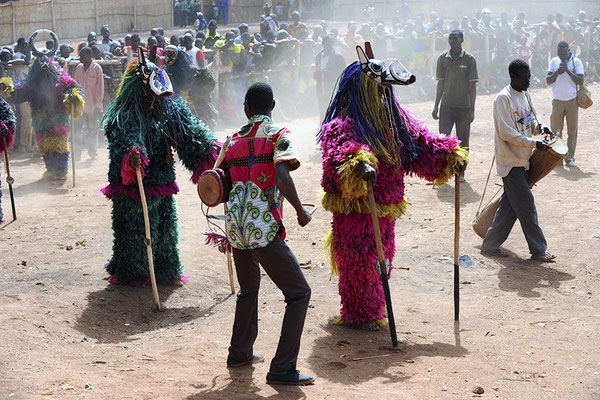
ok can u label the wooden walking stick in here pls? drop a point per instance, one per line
(148, 240)
(73, 141)
(456, 247)
(383, 266)
(9, 180)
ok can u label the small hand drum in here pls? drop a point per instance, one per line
(214, 186)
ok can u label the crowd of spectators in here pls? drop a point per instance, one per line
(301, 61)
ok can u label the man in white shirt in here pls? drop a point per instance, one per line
(513, 144)
(565, 73)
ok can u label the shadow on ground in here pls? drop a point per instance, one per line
(524, 276)
(467, 194)
(243, 384)
(573, 174)
(335, 353)
(116, 314)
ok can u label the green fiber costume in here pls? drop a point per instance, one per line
(139, 120)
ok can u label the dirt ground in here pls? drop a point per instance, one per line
(527, 330)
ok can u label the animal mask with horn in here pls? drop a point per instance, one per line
(364, 92)
(395, 74)
(45, 55)
(154, 77)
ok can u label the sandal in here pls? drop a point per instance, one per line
(546, 257)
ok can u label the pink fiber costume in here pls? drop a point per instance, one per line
(365, 124)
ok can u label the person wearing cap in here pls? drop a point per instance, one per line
(242, 28)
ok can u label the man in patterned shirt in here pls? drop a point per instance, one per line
(259, 159)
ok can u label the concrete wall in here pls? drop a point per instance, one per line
(75, 18)
(536, 10)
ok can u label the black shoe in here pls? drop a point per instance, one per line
(233, 363)
(292, 377)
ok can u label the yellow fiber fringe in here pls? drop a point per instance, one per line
(353, 185)
(455, 160)
(10, 87)
(338, 204)
(379, 119)
(56, 144)
(74, 94)
(329, 248)
(53, 176)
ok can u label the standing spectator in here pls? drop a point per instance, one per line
(106, 44)
(457, 78)
(329, 64)
(212, 36)
(524, 52)
(184, 9)
(194, 10)
(269, 21)
(224, 10)
(177, 13)
(174, 40)
(564, 74)
(296, 26)
(279, 11)
(89, 75)
(194, 52)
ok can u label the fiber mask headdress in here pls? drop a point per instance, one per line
(45, 55)
(364, 92)
(154, 77)
(395, 74)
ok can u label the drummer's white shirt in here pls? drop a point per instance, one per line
(514, 124)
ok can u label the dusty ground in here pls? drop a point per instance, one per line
(527, 330)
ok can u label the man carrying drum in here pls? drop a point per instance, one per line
(259, 159)
(513, 144)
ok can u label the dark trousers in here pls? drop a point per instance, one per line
(516, 203)
(282, 267)
(87, 137)
(454, 116)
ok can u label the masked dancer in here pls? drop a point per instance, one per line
(366, 137)
(7, 129)
(144, 125)
(54, 97)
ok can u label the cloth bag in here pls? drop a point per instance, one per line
(584, 96)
